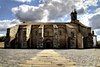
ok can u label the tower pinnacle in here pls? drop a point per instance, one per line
(74, 15)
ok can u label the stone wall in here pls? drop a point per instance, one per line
(22, 39)
(11, 37)
(48, 36)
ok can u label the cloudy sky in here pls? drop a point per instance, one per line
(13, 12)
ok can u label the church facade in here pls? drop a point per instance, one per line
(50, 35)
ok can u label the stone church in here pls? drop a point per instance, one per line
(50, 35)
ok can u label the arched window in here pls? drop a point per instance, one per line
(39, 33)
(72, 34)
(48, 32)
(36, 32)
(60, 32)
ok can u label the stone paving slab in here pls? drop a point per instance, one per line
(16, 57)
(48, 58)
(98, 65)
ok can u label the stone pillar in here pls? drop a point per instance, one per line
(40, 36)
(79, 40)
(94, 39)
(24, 38)
(55, 41)
(66, 40)
(72, 40)
(7, 41)
(88, 41)
(22, 43)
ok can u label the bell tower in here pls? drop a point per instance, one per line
(74, 15)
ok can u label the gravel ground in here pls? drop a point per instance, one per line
(12, 57)
(83, 57)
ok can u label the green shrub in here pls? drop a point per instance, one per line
(2, 38)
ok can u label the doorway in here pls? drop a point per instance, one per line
(48, 44)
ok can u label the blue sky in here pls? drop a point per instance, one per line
(7, 5)
(14, 11)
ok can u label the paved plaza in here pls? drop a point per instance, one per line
(49, 58)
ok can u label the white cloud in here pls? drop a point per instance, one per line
(4, 24)
(95, 21)
(28, 13)
(90, 19)
(98, 38)
(91, 2)
(55, 9)
(97, 32)
(81, 11)
(85, 3)
(2, 33)
(23, 0)
(97, 10)
(84, 18)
